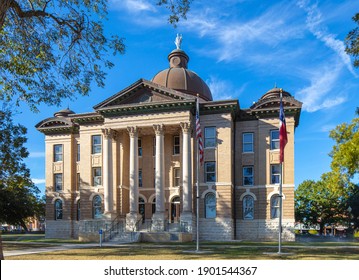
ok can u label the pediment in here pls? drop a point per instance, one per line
(56, 125)
(141, 92)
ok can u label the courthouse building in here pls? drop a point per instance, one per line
(132, 163)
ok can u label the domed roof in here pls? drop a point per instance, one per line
(64, 113)
(178, 77)
(275, 93)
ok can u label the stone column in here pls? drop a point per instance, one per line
(109, 134)
(186, 215)
(133, 216)
(158, 218)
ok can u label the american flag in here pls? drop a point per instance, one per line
(199, 134)
(282, 131)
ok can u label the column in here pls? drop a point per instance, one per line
(186, 168)
(109, 134)
(158, 219)
(133, 216)
(186, 215)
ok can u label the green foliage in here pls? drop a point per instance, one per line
(178, 9)
(18, 195)
(352, 41)
(50, 50)
(313, 232)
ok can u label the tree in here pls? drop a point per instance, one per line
(18, 195)
(321, 202)
(352, 41)
(51, 50)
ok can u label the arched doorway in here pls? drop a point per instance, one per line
(175, 209)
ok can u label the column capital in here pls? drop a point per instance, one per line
(109, 133)
(133, 131)
(186, 127)
(159, 129)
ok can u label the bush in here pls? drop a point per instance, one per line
(313, 232)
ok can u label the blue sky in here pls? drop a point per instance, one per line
(241, 49)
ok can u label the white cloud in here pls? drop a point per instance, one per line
(315, 26)
(132, 6)
(37, 155)
(319, 95)
(38, 181)
(222, 89)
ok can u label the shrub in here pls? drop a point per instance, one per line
(313, 232)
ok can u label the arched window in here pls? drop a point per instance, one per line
(210, 205)
(248, 207)
(154, 206)
(58, 209)
(274, 206)
(141, 208)
(97, 207)
(78, 210)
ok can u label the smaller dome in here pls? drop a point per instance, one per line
(275, 93)
(64, 113)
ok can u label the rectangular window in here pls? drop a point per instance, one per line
(274, 139)
(248, 176)
(275, 173)
(176, 177)
(176, 145)
(78, 181)
(140, 178)
(58, 181)
(96, 144)
(78, 153)
(210, 171)
(210, 137)
(97, 176)
(139, 147)
(248, 142)
(154, 146)
(58, 152)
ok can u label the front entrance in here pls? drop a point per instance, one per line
(175, 209)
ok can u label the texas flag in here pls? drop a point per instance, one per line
(282, 132)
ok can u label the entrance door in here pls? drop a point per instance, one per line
(141, 208)
(175, 209)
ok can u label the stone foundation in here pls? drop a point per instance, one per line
(216, 229)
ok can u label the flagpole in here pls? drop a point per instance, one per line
(280, 196)
(280, 209)
(197, 179)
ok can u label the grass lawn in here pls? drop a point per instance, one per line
(172, 251)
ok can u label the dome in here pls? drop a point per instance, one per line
(64, 113)
(180, 78)
(275, 93)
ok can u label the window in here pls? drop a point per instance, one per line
(58, 181)
(210, 137)
(78, 210)
(176, 145)
(97, 207)
(248, 176)
(58, 209)
(274, 205)
(176, 177)
(274, 139)
(140, 177)
(96, 144)
(78, 181)
(210, 205)
(275, 174)
(248, 208)
(78, 153)
(139, 142)
(154, 206)
(154, 146)
(247, 142)
(96, 173)
(57, 152)
(210, 171)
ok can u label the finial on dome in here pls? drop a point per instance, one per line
(178, 41)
